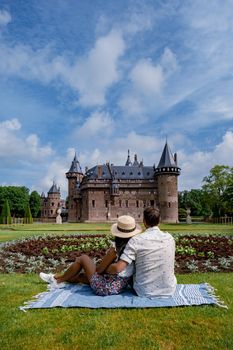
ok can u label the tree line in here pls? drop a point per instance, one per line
(16, 201)
(215, 198)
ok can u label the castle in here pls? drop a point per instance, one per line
(108, 191)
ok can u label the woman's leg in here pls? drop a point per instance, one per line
(80, 278)
(71, 274)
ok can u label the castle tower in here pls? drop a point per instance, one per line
(166, 173)
(50, 204)
(74, 176)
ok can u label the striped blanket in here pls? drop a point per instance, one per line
(80, 295)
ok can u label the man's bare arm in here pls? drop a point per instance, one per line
(106, 261)
(117, 267)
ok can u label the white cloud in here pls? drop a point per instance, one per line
(99, 124)
(12, 124)
(147, 78)
(5, 18)
(55, 172)
(94, 74)
(90, 76)
(115, 150)
(169, 61)
(14, 147)
(145, 93)
(195, 166)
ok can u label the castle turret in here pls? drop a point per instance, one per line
(50, 204)
(74, 176)
(167, 172)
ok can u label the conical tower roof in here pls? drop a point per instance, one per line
(54, 188)
(167, 163)
(167, 159)
(75, 166)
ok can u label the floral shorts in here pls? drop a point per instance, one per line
(107, 284)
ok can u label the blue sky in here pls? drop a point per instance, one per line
(101, 77)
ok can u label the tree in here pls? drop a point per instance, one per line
(17, 196)
(35, 204)
(215, 186)
(5, 217)
(195, 200)
(27, 215)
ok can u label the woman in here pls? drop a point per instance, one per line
(100, 282)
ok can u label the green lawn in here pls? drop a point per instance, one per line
(204, 327)
(187, 328)
(11, 232)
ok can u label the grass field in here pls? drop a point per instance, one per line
(187, 328)
(11, 232)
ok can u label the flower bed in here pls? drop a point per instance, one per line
(194, 253)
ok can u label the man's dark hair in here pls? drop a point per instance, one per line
(151, 216)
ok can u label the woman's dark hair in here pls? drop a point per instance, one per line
(151, 216)
(120, 244)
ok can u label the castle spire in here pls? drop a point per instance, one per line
(128, 162)
(168, 162)
(75, 166)
(135, 163)
(167, 159)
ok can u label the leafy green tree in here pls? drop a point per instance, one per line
(228, 199)
(215, 186)
(35, 204)
(17, 196)
(5, 217)
(195, 200)
(27, 215)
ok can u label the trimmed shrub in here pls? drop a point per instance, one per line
(5, 217)
(27, 215)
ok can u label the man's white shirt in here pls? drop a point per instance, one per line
(153, 252)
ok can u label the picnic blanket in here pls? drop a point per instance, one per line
(80, 295)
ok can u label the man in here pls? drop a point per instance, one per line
(153, 252)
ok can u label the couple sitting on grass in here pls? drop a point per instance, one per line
(143, 260)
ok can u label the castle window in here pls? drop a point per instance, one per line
(144, 204)
(152, 202)
(126, 203)
(169, 204)
(93, 203)
(139, 173)
(45, 212)
(139, 215)
(120, 203)
(52, 204)
(131, 173)
(106, 204)
(51, 211)
(123, 173)
(137, 204)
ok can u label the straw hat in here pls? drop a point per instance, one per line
(125, 227)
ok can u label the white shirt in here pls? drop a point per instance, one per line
(154, 254)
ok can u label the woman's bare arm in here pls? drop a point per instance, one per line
(107, 260)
